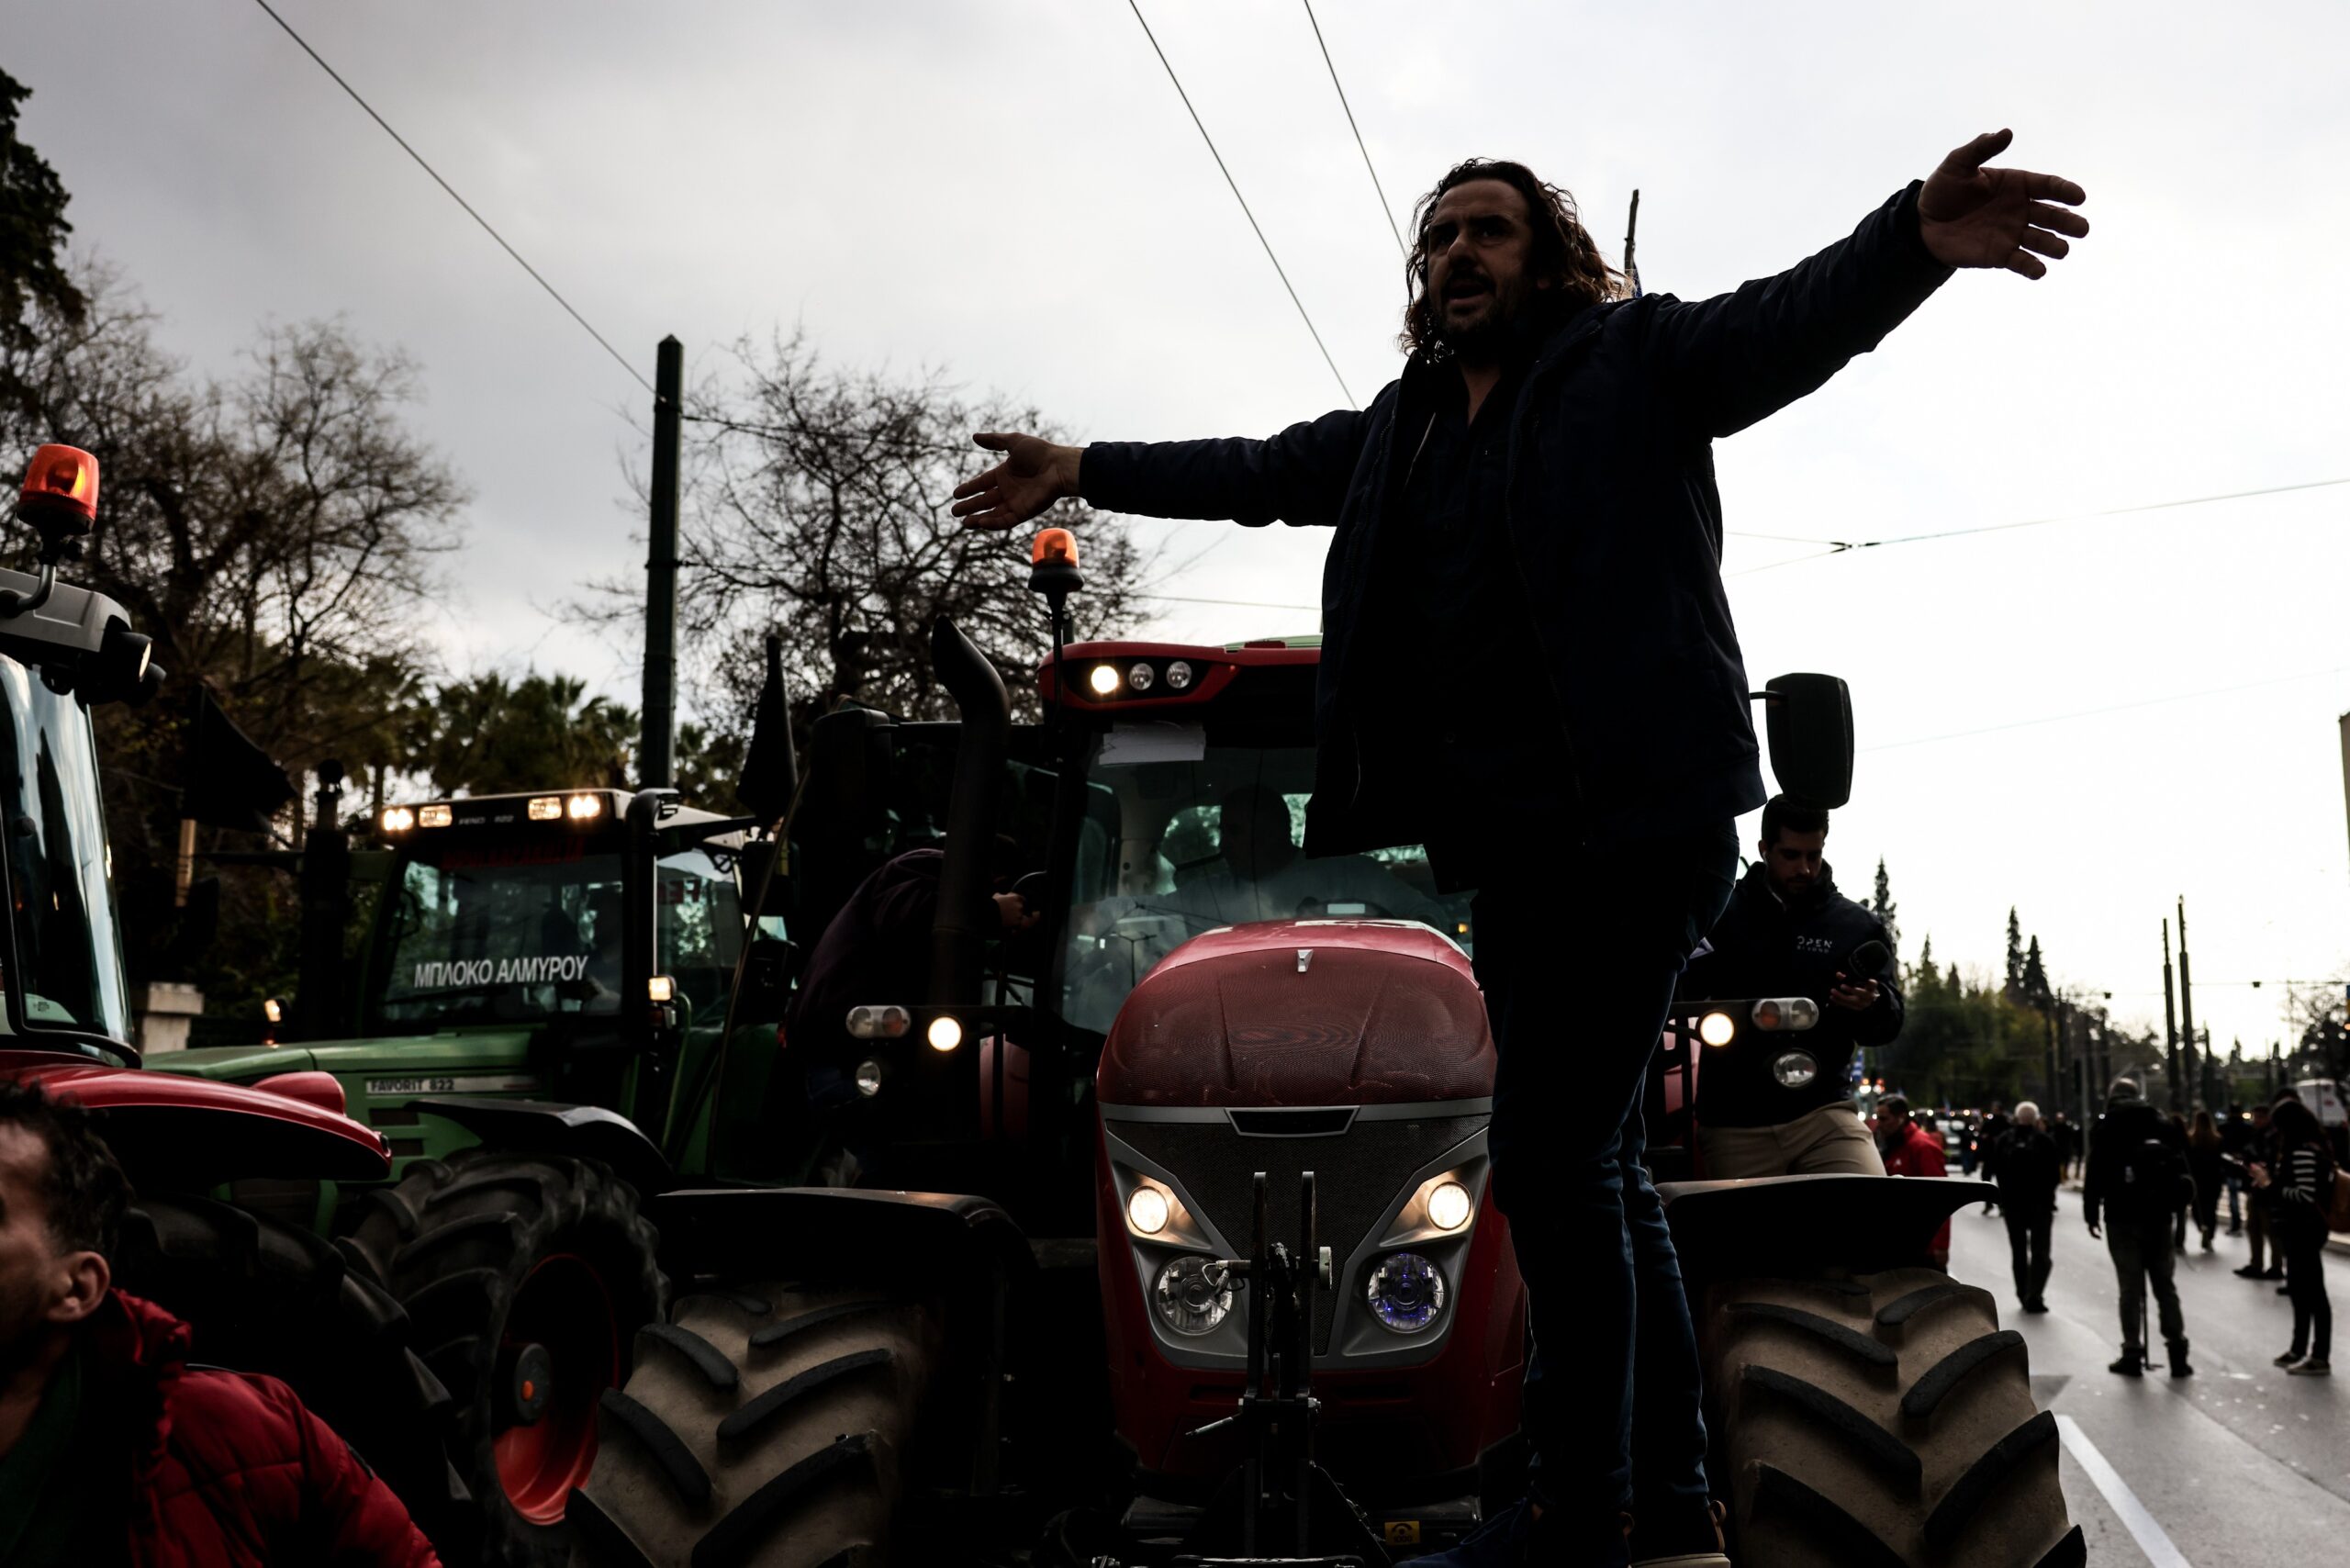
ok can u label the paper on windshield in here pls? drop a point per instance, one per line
(1131, 745)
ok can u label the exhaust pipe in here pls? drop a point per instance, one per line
(985, 709)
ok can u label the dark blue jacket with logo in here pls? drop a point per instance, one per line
(1766, 946)
(1613, 517)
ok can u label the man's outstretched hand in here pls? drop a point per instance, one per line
(1973, 216)
(1033, 475)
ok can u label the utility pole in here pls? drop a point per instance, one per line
(2056, 1083)
(657, 761)
(2170, 1030)
(2186, 998)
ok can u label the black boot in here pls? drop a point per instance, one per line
(2131, 1364)
(2179, 1367)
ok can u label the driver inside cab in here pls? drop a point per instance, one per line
(1260, 874)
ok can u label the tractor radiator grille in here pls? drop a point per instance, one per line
(1357, 1176)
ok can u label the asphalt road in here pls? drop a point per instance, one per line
(2237, 1467)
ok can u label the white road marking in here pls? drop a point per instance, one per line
(2125, 1505)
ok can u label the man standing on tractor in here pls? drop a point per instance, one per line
(1527, 560)
(1788, 932)
(113, 1448)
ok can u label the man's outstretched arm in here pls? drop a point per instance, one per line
(1298, 476)
(1727, 362)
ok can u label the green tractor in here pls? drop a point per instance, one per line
(534, 1027)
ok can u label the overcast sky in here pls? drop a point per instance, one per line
(2083, 721)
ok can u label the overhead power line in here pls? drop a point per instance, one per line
(2111, 708)
(1384, 210)
(1243, 200)
(535, 276)
(1840, 547)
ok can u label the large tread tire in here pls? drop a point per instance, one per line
(262, 1296)
(1882, 1421)
(457, 1241)
(766, 1426)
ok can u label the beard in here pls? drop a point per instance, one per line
(1508, 322)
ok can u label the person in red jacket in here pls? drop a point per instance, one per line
(113, 1449)
(1910, 1150)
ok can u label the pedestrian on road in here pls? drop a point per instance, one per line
(1534, 494)
(1910, 1150)
(2235, 1132)
(1994, 1128)
(2138, 1182)
(2300, 1191)
(2175, 1129)
(2068, 1143)
(2260, 1154)
(113, 1448)
(1787, 932)
(2029, 1171)
(2207, 1162)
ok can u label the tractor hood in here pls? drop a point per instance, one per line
(1302, 1013)
(185, 1133)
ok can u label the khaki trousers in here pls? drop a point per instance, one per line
(1829, 1141)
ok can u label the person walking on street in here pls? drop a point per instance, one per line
(1994, 1128)
(2299, 1192)
(1910, 1150)
(2175, 1129)
(2029, 1172)
(1534, 494)
(112, 1448)
(2260, 1149)
(2234, 1134)
(1787, 932)
(2137, 1181)
(2207, 1162)
(2068, 1144)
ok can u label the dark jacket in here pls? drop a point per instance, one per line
(1613, 519)
(1763, 946)
(2137, 1174)
(2025, 1161)
(231, 1470)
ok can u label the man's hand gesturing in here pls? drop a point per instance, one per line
(1973, 216)
(1033, 475)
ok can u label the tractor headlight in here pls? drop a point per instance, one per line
(1178, 675)
(1405, 1292)
(869, 1078)
(1193, 1296)
(1140, 677)
(1794, 1070)
(1716, 1028)
(1449, 1205)
(398, 819)
(1786, 1012)
(1146, 1210)
(1104, 679)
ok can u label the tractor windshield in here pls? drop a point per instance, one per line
(66, 970)
(521, 932)
(1184, 832)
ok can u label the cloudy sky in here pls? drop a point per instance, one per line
(2084, 719)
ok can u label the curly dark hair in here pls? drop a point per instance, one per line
(1564, 251)
(84, 1187)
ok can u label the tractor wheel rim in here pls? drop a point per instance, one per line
(564, 1308)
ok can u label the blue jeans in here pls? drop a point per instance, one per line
(1577, 980)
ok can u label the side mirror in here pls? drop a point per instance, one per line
(1809, 721)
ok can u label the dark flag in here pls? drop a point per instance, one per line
(231, 782)
(770, 766)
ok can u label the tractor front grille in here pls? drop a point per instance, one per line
(1357, 1177)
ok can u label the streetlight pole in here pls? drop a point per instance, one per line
(2170, 1029)
(2186, 998)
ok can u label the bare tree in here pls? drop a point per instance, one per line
(816, 508)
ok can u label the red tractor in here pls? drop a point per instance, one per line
(210, 1162)
(1222, 1282)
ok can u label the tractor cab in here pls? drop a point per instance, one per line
(63, 650)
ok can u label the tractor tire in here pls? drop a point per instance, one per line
(766, 1426)
(262, 1296)
(1881, 1421)
(523, 1273)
